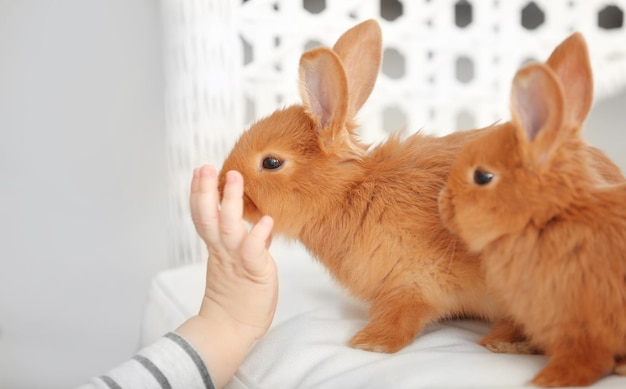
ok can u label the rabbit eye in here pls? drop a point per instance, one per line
(482, 177)
(271, 163)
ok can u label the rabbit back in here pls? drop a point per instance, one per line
(387, 234)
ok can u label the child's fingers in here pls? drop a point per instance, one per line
(195, 182)
(254, 247)
(203, 203)
(232, 228)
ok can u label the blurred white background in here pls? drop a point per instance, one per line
(84, 220)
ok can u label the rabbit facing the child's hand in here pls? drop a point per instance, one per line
(550, 227)
(369, 215)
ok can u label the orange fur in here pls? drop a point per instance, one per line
(369, 214)
(550, 226)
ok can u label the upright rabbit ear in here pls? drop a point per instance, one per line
(360, 50)
(537, 107)
(570, 62)
(324, 88)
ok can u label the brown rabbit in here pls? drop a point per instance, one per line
(552, 236)
(369, 215)
(570, 62)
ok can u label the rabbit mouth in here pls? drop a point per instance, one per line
(248, 201)
(249, 206)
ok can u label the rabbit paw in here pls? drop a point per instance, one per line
(570, 372)
(395, 320)
(505, 337)
(510, 347)
(379, 339)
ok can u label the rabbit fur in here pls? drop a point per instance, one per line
(550, 224)
(369, 214)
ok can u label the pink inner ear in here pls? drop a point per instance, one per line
(323, 87)
(537, 101)
(319, 98)
(532, 110)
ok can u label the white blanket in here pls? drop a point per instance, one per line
(306, 347)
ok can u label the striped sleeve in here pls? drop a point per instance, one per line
(169, 363)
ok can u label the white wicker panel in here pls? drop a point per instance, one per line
(447, 65)
(203, 64)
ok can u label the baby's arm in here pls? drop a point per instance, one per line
(170, 362)
(237, 307)
(241, 281)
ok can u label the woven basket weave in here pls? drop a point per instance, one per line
(447, 65)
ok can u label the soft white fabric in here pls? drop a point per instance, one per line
(306, 346)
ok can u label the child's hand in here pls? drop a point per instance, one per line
(241, 274)
(241, 281)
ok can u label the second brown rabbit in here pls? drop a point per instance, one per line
(552, 236)
(368, 214)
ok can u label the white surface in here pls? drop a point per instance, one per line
(306, 347)
(83, 185)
